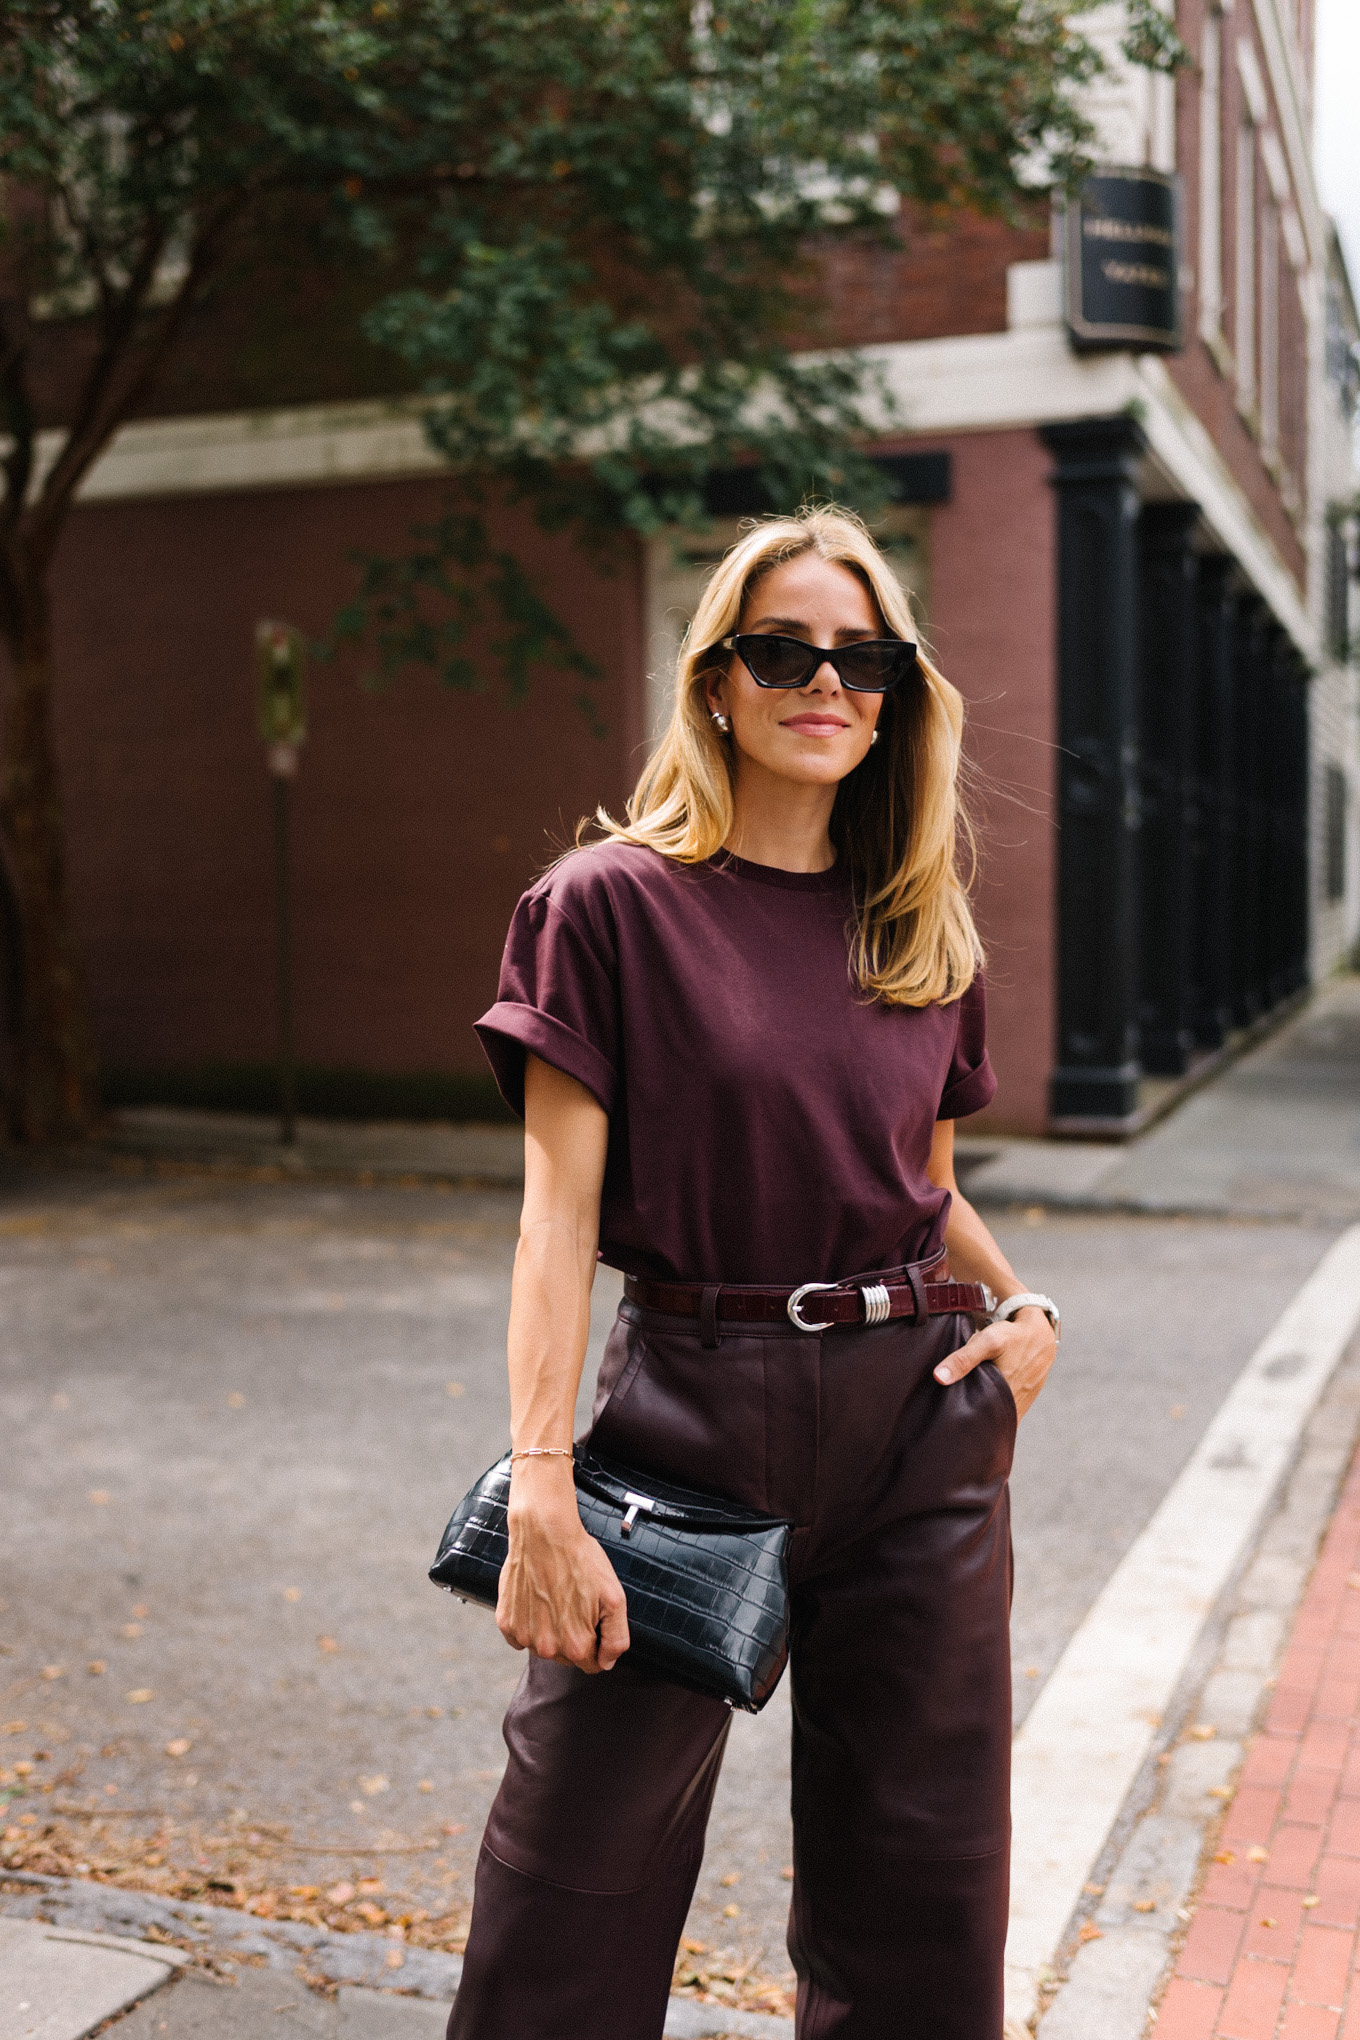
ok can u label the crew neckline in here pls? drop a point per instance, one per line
(833, 879)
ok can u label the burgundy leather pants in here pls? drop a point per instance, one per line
(900, 1667)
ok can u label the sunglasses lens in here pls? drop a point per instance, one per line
(776, 661)
(872, 668)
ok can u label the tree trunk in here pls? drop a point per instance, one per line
(53, 1094)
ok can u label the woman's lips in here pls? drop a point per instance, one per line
(814, 725)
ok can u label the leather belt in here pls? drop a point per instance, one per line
(815, 1306)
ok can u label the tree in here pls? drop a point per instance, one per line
(587, 225)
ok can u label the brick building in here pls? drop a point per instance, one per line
(1130, 555)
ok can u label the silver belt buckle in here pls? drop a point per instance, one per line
(792, 1306)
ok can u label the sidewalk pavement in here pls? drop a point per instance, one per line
(1275, 1135)
(1271, 1950)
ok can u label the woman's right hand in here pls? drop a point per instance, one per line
(559, 1595)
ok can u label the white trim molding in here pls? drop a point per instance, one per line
(309, 446)
(1026, 377)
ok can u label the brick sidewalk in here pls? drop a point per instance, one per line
(1271, 1950)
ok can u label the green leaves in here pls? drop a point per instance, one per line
(591, 226)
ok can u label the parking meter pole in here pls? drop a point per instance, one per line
(283, 904)
(281, 716)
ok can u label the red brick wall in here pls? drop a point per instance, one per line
(1209, 387)
(948, 279)
(993, 566)
(419, 814)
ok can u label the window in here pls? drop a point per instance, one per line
(1244, 338)
(1337, 623)
(1270, 332)
(1211, 179)
(1335, 827)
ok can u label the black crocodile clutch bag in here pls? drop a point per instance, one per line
(706, 1581)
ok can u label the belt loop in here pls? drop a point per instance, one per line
(708, 1316)
(918, 1295)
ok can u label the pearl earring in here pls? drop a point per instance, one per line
(873, 736)
(723, 722)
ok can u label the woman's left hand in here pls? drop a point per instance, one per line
(1023, 1349)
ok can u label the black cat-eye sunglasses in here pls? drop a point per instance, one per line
(870, 667)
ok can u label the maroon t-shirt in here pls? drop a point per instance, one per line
(767, 1121)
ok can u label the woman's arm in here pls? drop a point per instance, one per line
(559, 1595)
(1024, 1348)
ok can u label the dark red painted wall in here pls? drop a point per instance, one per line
(419, 814)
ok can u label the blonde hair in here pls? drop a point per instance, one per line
(897, 823)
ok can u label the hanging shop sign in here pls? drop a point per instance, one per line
(1123, 261)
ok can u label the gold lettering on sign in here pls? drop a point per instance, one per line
(1127, 230)
(1135, 272)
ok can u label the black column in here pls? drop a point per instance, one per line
(1097, 1069)
(1299, 892)
(1168, 713)
(1211, 943)
(1253, 681)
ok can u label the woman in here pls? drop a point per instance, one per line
(740, 1029)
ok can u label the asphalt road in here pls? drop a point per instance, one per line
(236, 1415)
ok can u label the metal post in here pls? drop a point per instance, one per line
(281, 711)
(283, 906)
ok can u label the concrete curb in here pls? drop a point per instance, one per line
(115, 1917)
(216, 1930)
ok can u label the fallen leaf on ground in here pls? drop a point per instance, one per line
(370, 1787)
(370, 1884)
(731, 1912)
(327, 1643)
(1256, 1854)
(141, 1611)
(1270, 1923)
(292, 1593)
(787, 1873)
(1311, 1900)
(96, 1668)
(454, 1388)
(236, 1401)
(425, 1785)
(1226, 1856)
(132, 1629)
(340, 1894)
(374, 1914)
(1145, 1905)
(99, 1495)
(14, 1728)
(139, 1694)
(54, 1671)
(1089, 1931)
(1217, 1791)
(180, 1747)
(731, 1877)
(1203, 1731)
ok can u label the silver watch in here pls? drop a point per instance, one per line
(1005, 1311)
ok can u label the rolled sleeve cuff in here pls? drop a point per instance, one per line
(508, 1032)
(970, 1093)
